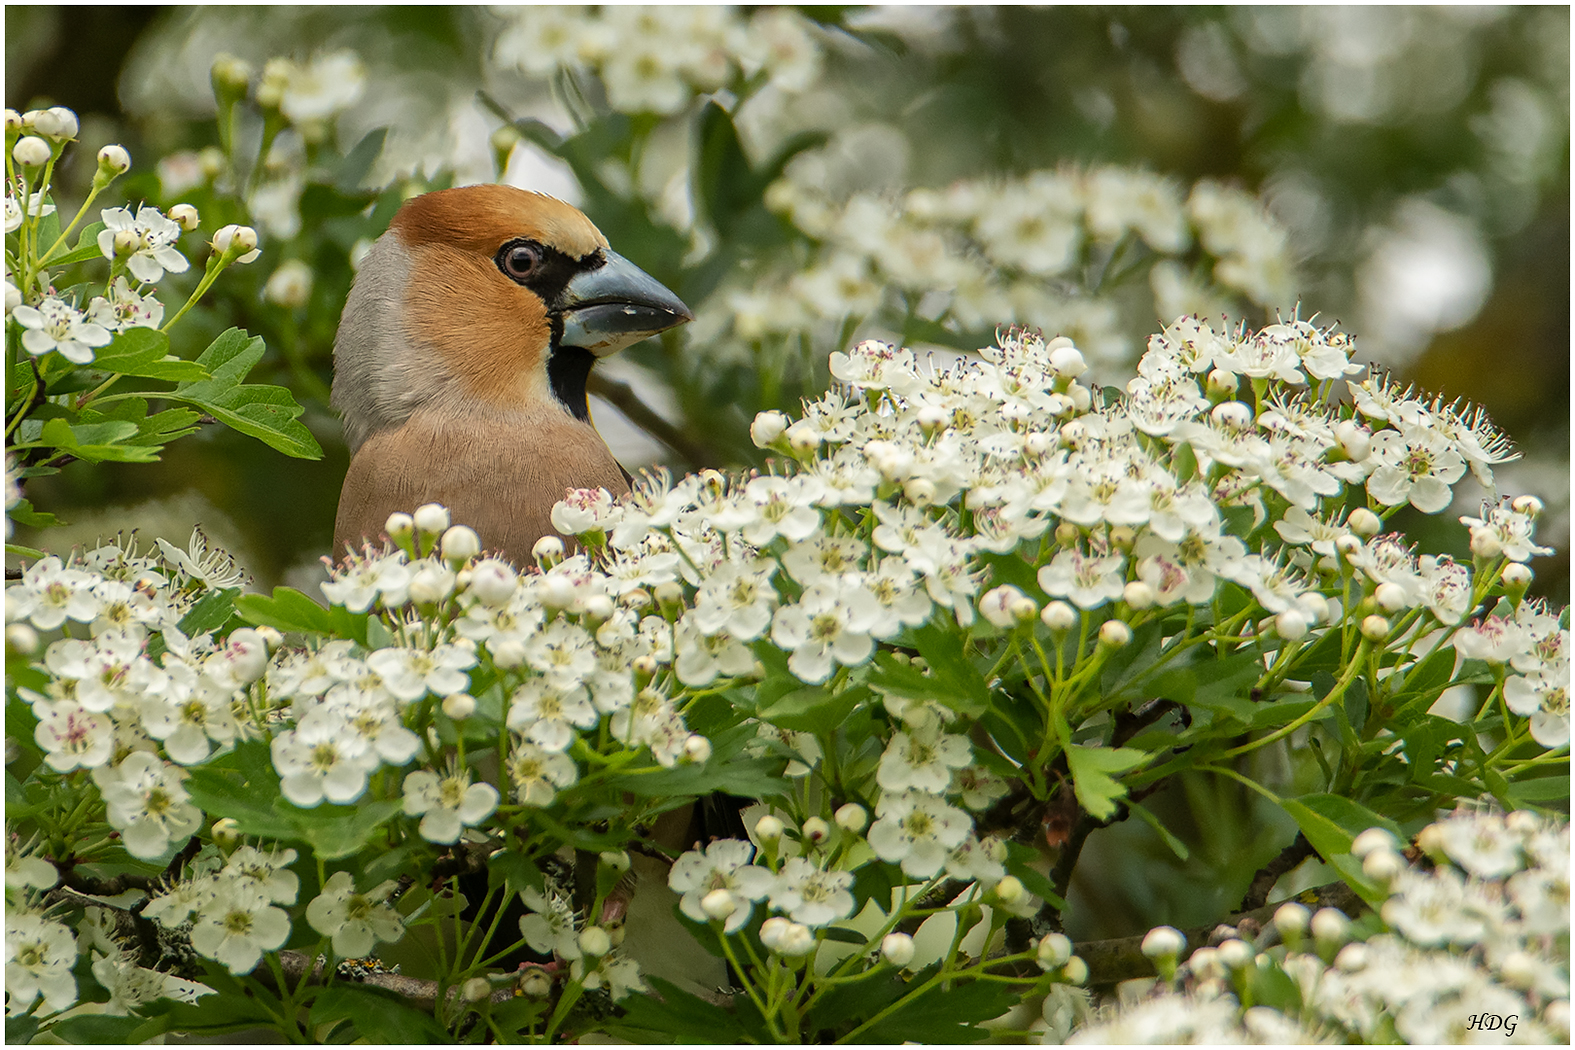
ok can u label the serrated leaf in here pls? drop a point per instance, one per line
(87, 248)
(813, 709)
(93, 442)
(1331, 822)
(290, 610)
(376, 1015)
(210, 612)
(22, 513)
(1091, 767)
(944, 1015)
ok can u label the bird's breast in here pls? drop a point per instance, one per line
(500, 477)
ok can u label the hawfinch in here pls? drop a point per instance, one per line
(462, 356)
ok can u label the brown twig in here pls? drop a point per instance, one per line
(1263, 882)
(622, 397)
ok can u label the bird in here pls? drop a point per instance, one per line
(461, 362)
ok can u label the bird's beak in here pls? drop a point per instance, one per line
(616, 305)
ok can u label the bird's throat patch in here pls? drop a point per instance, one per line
(568, 369)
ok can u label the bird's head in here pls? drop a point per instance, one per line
(487, 298)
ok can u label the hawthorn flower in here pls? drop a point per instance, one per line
(447, 805)
(124, 309)
(39, 955)
(356, 921)
(237, 926)
(265, 874)
(781, 507)
(549, 928)
(538, 774)
(701, 658)
(148, 244)
(216, 568)
(922, 758)
(737, 598)
(828, 626)
(549, 715)
(811, 896)
(321, 759)
(1416, 465)
(723, 866)
(917, 830)
(1088, 581)
(50, 593)
(37, 207)
(1544, 696)
(409, 674)
(56, 325)
(564, 652)
(1509, 530)
(72, 736)
(147, 803)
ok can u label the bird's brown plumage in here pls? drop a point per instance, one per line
(442, 366)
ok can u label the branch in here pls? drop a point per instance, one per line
(622, 397)
(1263, 882)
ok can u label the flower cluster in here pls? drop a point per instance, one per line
(234, 913)
(657, 59)
(1484, 933)
(1007, 249)
(40, 951)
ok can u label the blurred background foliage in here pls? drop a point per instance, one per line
(808, 176)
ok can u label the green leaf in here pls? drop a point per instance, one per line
(515, 871)
(290, 610)
(96, 1028)
(340, 831)
(679, 1016)
(845, 936)
(210, 613)
(1091, 767)
(96, 442)
(146, 352)
(20, 1030)
(376, 1015)
(22, 513)
(358, 162)
(87, 248)
(723, 771)
(1177, 847)
(267, 413)
(812, 709)
(1020, 863)
(1331, 822)
(1540, 789)
(944, 1015)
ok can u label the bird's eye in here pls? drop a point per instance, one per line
(519, 260)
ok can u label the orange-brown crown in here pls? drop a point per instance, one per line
(481, 218)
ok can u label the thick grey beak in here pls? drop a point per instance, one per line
(616, 305)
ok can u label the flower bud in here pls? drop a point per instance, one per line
(1075, 971)
(1234, 954)
(931, 418)
(1066, 534)
(815, 830)
(718, 905)
(767, 427)
(1010, 890)
(1066, 362)
(1138, 595)
(21, 639)
(126, 243)
(57, 122)
(919, 491)
(797, 940)
(1054, 951)
(548, 550)
(1058, 616)
(1375, 628)
(460, 544)
(1164, 943)
(1221, 384)
(290, 286)
(476, 989)
(1024, 609)
(1516, 577)
(1519, 970)
(1364, 522)
(1114, 634)
(431, 519)
(697, 749)
(670, 598)
(1291, 625)
(535, 984)
(995, 605)
(1291, 920)
(508, 653)
(1330, 928)
(556, 592)
(459, 706)
(772, 932)
(431, 584)
(802, 438)
(1530, 506)
(1348, 545)
(226, 833)
(645, 665)
(399, 527)
(1082, 399)
(852, 817)
(1485, 545)
(1370, 841)
(113, 160)
(1352, 958)
(493, 582)
(1383, 865)
(13, 120)
(595, 942)
(237, 241)
(1233, 415)
(768, 829)
(1391, 597)
(897, 949)
(1205, 965)
(184, 215)
(229, 75)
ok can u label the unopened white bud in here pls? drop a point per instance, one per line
(226, 833)
(1348, 544)
(459, 706)
(1485, 545)
(852, 817)
(1221, 383)
(1164, 942)
(815, 830)
(768, 828)
(919, 491)
(897, 949)
(1519, 970)
(1383, 865)
(767, 427)
(995, 605)
(1024, 609)
(547, 550)
(594, 941)
(1058, 616)
(1391, 597)
(493, 582)
(802, 438)
(460, 543)
(1234, 954)
(1054, 950)
(431, 584)
(1138, 595)
(797, 940)
(1205, 964)
(535, 984)
(1370, 841)
(1010, 890)
(57, 122)
(1291, 625)
(114, 160)
(598, 607)
(1330, 926)
(507, 653)
(1530, 506)
(1234, 415)
(240, 240)
(772, 931)
(1364, 522)
(21, 638)
(431, 519)
(645, 665)
(126, 242)
(1082, 398)
(1114, 634)
(931, 418)
(718, 905)
(399, 527)
(1067, 362)
(1291, 919)
(290, 286)
(1075, 971)
(185, 216)
(697, 749)
(1516, 576)
(13, 120)
(556, 592)
(1375, 628)
(1314, 607)
(476, 989)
